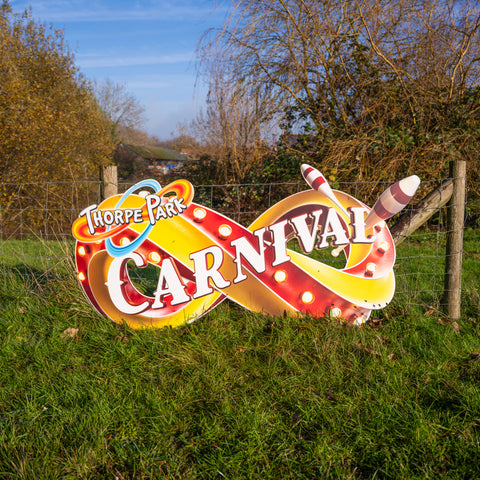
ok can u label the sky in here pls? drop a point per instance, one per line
(146, 45)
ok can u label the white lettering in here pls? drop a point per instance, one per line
(306, 237)
(179, 205)
(119, 217)
(332, 228)
(256, 258)
(137, 216)
(279, 243)
(152, 202)
(160, 213)
(170, 209)
(108, 217)
(358, 224)
(169, 283)
(203, 273)
(88, 214)
(128, 215)
(97, 218)
(114, 284)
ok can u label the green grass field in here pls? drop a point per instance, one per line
(238, 395)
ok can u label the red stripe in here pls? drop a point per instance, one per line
(307, 171)
(318, 182)
(399, 195)
(381, 211)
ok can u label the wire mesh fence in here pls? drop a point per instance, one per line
(36, 241)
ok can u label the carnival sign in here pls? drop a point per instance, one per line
(202, 257)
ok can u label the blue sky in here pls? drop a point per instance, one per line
(147, 45)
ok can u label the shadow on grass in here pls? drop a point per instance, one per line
(23, 277)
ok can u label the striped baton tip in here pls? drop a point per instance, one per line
(392, 200)
(318, 182)
(313, 177)
(409, 185)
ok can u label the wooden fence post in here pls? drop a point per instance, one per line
(108, 181)
(454, 247)
(423, 210)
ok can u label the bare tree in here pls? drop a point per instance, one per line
(135, 136)
(121, 107)
(235, 126)
(385, 85)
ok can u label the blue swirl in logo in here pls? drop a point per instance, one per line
(119, 251)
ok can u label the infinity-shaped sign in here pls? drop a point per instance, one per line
(203, 257)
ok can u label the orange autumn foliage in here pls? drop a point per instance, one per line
(51, 127)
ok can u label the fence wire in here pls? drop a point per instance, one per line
(36, 241)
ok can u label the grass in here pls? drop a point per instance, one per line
(237, 395)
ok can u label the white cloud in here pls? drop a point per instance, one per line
(163, 82)
(113, 11)
(103, 61)
(149, 84)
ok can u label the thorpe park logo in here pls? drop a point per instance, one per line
(202, 257)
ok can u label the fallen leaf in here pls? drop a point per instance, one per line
(21, 310)
(376, 322)
(241, 349)
(330, 396)
(441, 321)
(385, 341)
(456, 327)
(368, 350)
(430, 311)
(296, 418)
(475, 355)
(271, 325)
(69, 333)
